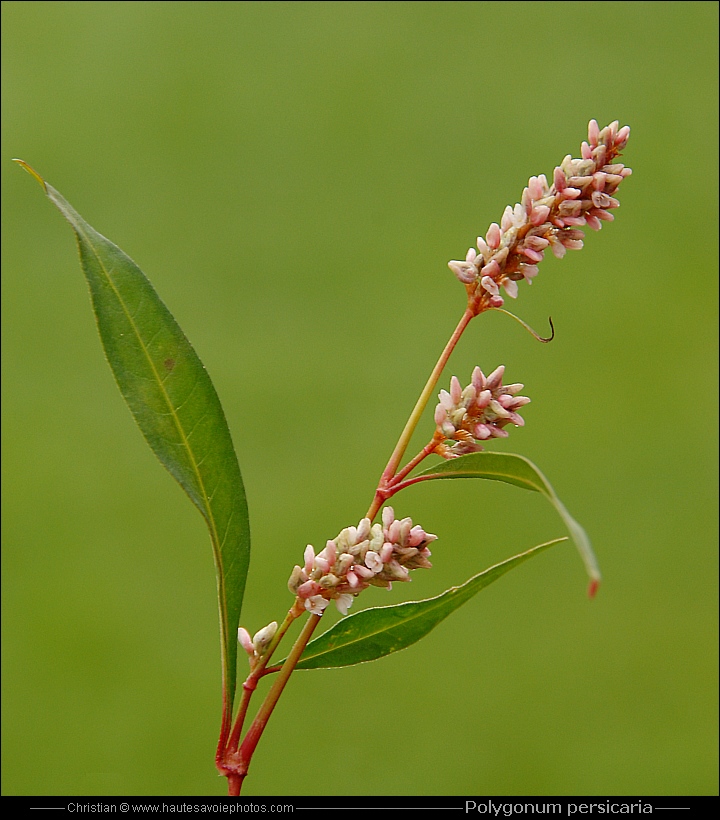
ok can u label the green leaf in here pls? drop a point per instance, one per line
(379, 631)
(176, 407)
(520, 471)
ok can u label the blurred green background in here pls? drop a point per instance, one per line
(293, 178)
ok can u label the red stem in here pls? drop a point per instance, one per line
(237, 763)
(389, 473)
(233, 761)
(411, 465)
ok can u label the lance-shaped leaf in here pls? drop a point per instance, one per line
(520, 471)
(176, 407)
(379, 631)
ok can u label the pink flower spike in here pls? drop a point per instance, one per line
(582, 192)
(493, 236)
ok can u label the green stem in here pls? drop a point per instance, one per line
(412, 422)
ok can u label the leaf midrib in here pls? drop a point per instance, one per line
(467, 473)
(207, 512)
(437, 600)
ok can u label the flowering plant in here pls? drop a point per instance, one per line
(178, 411)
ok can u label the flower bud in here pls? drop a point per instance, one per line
(262, 638)
(245, 641)
(297, 577)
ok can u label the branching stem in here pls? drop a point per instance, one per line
(243, 756)
(389, 473)
(233, 761)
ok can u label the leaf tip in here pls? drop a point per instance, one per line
(32, 172)
(593, 587)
